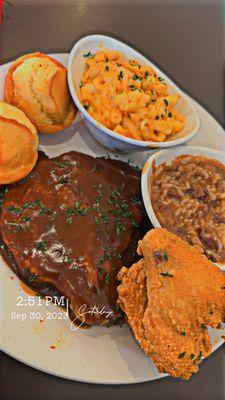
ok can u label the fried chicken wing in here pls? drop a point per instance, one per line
(170, 297)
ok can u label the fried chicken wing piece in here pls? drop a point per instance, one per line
(170, 297)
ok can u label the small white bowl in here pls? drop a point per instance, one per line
(169, 155)
(108, 138)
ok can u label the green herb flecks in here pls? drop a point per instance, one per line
(120, 76)
(3, 192)
(107, 277)
(77, 210)
(166, 274)
(14, 210)
(181, 355)
(135, 199)
(100, 271)
(89, 55)
(25, 218)
(69, 220)
(136, 77)
(63, 164)
(161, 80)
(41, 246)
(94, 168)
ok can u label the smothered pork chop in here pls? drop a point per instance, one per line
(71, 226)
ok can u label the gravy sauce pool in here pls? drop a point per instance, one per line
(70, 226)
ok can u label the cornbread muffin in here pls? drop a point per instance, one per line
(18, 144)
(37, 84)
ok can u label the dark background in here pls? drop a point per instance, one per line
(185, 38)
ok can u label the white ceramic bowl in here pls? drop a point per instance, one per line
(105, 136)
(169, 155)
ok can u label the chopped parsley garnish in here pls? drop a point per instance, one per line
(69, 220)
(77, 210)
(183, 333)
(41, 246)
(165, 256)
(25, 218)
(27, 205)
(157, 117)
(100, 271)
(68, 260)
(63, 164)
(17, 226)
(107, 277)
(94, 168)
(43, 210)
(135, 199)
(198, 358)
(120, 76)
(136, 77)
(86, 107)
(75, 266)
(119, 226)
(166, 274)
(166, 102)
(181, 355)
(161, 79)
(81, 84)
(2, 195)
(203, 326)
(31, 276)
(96, 220)
(89, 55)
(170, 115)
(117, 321)
(106, 68)
(146, 74)
(15, 210)
(104, 219)
(53, 215)
(192, 356)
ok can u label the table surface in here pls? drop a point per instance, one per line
(186, 40)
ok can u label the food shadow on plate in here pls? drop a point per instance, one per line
(75, 137)
(125, 344)
(78, 138)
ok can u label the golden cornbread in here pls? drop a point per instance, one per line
(18, 144)
(37, 84)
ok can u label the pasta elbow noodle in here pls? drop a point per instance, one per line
(129, 98)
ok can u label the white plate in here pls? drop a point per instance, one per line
(167, 156)
(98, 355)
(108, 138)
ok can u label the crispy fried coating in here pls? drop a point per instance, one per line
(170, 297)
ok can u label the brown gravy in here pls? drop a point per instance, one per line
(69, 228)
